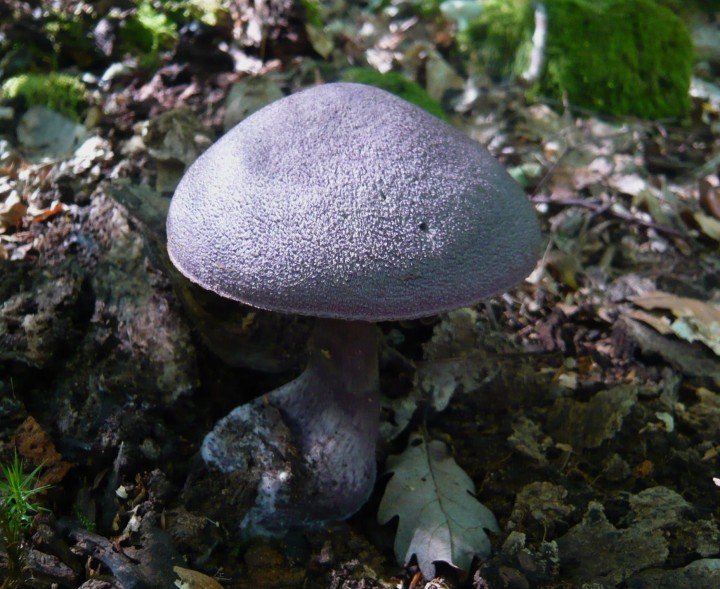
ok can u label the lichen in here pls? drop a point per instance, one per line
(60, 92)
(396, 83)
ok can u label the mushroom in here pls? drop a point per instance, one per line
(345, 203)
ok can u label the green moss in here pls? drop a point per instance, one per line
(209, 12)
(71, 37)
(621, 57)
(396, 83)
(499, 39)
(60, 92)
(313, 13)
(147, 34)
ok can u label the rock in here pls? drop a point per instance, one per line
(659, 521)
(596, 551)
(247, 96)
(699, 574)
(47, 135)
(538, 565)
(43, 319)
(239, 335)
(540, 503)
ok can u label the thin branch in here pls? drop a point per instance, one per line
(603, 208)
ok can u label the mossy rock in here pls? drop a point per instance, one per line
(148, 33)
(500, 38)
(60, 92)
(396, 83)
(621, 57)
(618, 57)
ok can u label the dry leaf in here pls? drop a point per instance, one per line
(34, 445)
(680, 306)
(659, 324)
(39, 215)
(710, 197)
(440, 518)
(708, 225)
(695, 320)
(190, 579)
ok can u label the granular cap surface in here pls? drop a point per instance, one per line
(345, 201)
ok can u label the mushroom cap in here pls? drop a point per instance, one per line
(345, 201)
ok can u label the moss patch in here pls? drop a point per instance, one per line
(313, 13)
(60, 92)
(621, 57)
(396, 83)
(499, 39)
(181, 12)
(147, 34)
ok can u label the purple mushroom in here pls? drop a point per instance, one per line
(345, 203)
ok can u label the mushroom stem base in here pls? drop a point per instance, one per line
(310, 443)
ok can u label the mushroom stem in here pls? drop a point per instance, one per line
(333, 411)
(313, 438)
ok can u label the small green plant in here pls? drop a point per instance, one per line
(84, 520)
(17, 508)
(148, 33)
(16, 492)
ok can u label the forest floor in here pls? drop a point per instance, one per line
(584, 405)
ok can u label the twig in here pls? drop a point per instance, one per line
(601, 208)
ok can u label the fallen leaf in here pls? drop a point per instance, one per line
(40, 215)
(708, 225)
(643, 470)
(696, 320)
(440, 519)
(659, 324)
(190, 579)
